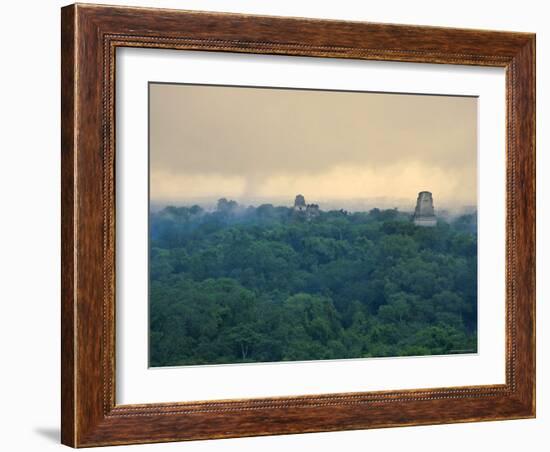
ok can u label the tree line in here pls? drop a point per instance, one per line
(256, 284)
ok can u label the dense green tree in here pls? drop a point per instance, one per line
(244, 284)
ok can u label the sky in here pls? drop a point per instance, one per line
(258, 145)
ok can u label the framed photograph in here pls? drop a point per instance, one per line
(280, 225)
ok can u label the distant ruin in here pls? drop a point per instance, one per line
(303, 210)
(424, 212)
(300, 204)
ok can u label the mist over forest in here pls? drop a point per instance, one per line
(445, 208)
(234, 283)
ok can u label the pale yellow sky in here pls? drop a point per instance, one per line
(270, 144)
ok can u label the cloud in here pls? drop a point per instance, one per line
(272, 142)
(339, 183)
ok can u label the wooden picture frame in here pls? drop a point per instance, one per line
(90, 35)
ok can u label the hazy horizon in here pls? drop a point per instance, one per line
(346, 149)
(351, 205)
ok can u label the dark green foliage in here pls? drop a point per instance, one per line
(261, 284)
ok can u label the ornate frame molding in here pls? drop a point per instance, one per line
(90, 37)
